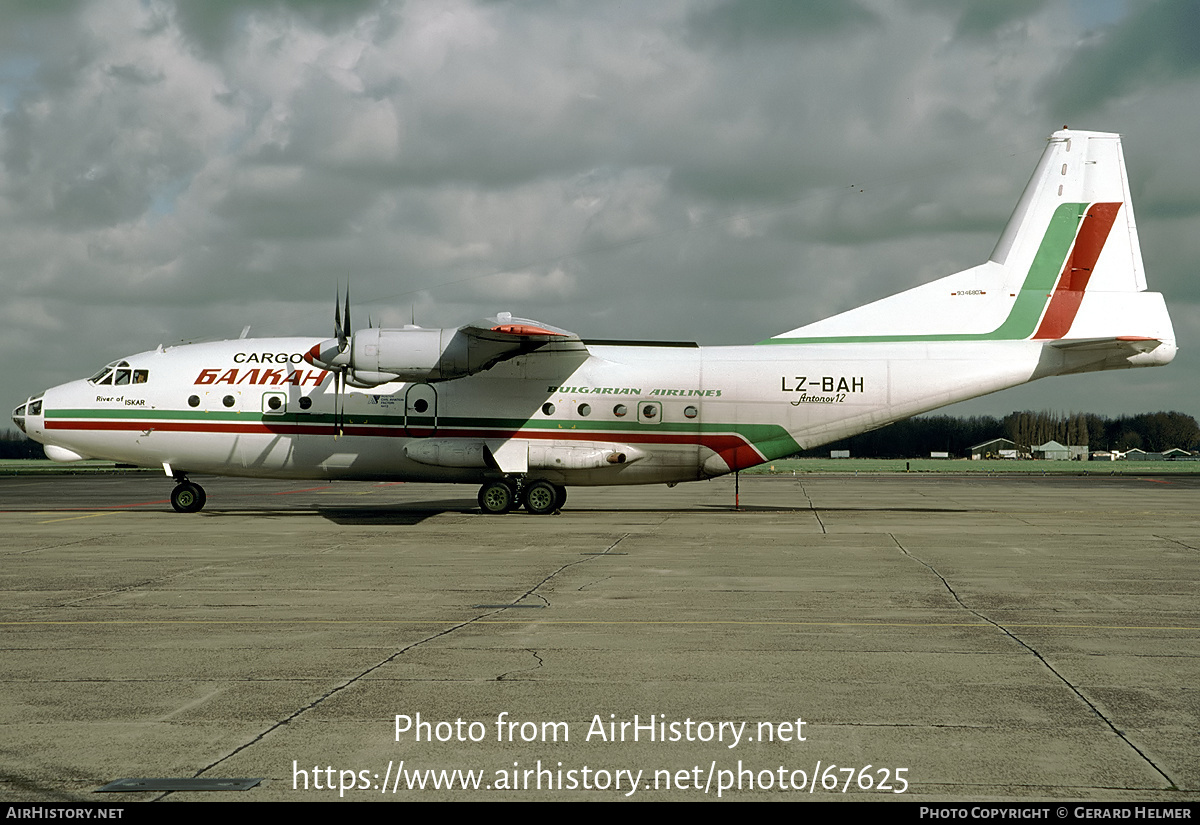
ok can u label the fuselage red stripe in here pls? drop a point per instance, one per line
(1068, 294)
(731, 447)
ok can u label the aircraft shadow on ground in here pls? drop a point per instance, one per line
(396, 515)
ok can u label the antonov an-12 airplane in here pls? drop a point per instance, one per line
(525, 409)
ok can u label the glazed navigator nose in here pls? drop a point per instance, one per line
(32, 407)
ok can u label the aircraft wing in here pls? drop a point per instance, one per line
(492, 340)
(505, 329)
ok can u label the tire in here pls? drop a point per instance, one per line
(497, 498)
(188, 497)
(541, 498)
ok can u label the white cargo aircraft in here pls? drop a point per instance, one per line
(524, 408)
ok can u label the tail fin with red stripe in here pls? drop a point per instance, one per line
(1067, 268)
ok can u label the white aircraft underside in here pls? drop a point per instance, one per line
(526, 409)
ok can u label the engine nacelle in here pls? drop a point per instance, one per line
(408, 354)
(372, 356)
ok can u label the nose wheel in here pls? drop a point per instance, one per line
(188, 497)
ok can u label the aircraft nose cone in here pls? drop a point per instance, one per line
(30, 409)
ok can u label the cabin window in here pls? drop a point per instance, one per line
(585, 410)
(194, 401)
(690, 412)
(274, 403)
(228, 401)
(620, 411)
(649, 412)
(548, 408)
(305, 402)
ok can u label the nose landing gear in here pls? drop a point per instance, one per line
(188, 497)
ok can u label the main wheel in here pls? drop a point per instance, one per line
(541, 498)
(188, 497)
(497, 498)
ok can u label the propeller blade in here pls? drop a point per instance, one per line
(348, 329)
(338, 332)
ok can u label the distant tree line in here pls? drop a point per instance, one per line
(15, 445)
(1153, 432)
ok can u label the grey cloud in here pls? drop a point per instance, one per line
(742, 23)
(1157, 43)
(981, 19)
(213, 26)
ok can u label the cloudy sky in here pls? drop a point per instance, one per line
(704, 170)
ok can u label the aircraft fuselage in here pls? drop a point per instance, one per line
(680, 413)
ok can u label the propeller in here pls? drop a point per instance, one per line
(338, 332)
(343, 332)
(347, 332)
(336, 355)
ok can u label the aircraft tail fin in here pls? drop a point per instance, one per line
(1068, 266)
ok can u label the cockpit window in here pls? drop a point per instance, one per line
(119, 373)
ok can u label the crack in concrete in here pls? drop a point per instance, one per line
(1078, 693)
(538, 666)
(1176, 541)
(813, 508)
(64, 544)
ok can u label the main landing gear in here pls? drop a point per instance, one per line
(540, 498)
(188, 496)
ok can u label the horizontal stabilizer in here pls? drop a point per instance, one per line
(1129, 344)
